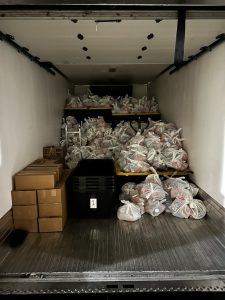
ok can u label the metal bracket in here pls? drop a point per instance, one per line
(205, 49)
(48, 66)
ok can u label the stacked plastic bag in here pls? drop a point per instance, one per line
(136, 147)
(96, 140)
(153, 196)
(182, 193)
(119, 105)
(159, 145)
(133, 105)
(89, 100)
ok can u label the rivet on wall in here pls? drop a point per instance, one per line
(80, 36)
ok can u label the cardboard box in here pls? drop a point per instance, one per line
(56, 195)
(54, 224)
(34, 180)
(54, 152)
(56, 169)
(25, 212)
(24, 197)
(50, 210)
(30, 225)
(46, 163)
(50, 196)
(51, 224)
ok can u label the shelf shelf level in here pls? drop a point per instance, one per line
(137, 114)
(88, 108)
(168, 172)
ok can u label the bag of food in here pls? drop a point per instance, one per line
(128, 212)
(128, 187)
(154, 208)
(198, 209)
(193, 189)
(180, 209)
(152, 191)
(153, 178)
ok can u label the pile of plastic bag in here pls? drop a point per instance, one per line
(94, 143)
(133, 105)
(89, 100)
(184, 204)
(153, 196)
(135, 146)
(119, 105)
(159, 145)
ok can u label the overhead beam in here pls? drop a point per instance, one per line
(164, 3)
(111, 4)
(180, 38)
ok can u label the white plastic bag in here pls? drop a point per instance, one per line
(154, 208)
(180, 209)
(128, 187)
(128, 212)
(198, 209)
(193, 189)
(153, 178)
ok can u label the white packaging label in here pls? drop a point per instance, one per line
(93, 202)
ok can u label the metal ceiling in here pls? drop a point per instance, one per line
(117, 45)
(51, 30)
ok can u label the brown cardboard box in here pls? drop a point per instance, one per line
(41, 162)
(25, 212)
(54, 224)
(56, 169)
(51, 224)
(54, 152)
(53, 203)
(50, 210)
(54, 195)
(33, 180)
(50, 196)
(30, 225)
(24, 197)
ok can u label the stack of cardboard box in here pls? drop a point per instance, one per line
(25, 213)
(39, 198)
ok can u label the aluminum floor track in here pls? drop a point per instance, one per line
(107, 255)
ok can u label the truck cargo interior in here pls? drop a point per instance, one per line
(87, 98)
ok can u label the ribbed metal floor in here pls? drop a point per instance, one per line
(97, 250)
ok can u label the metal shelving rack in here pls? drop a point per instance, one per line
(72, 132)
